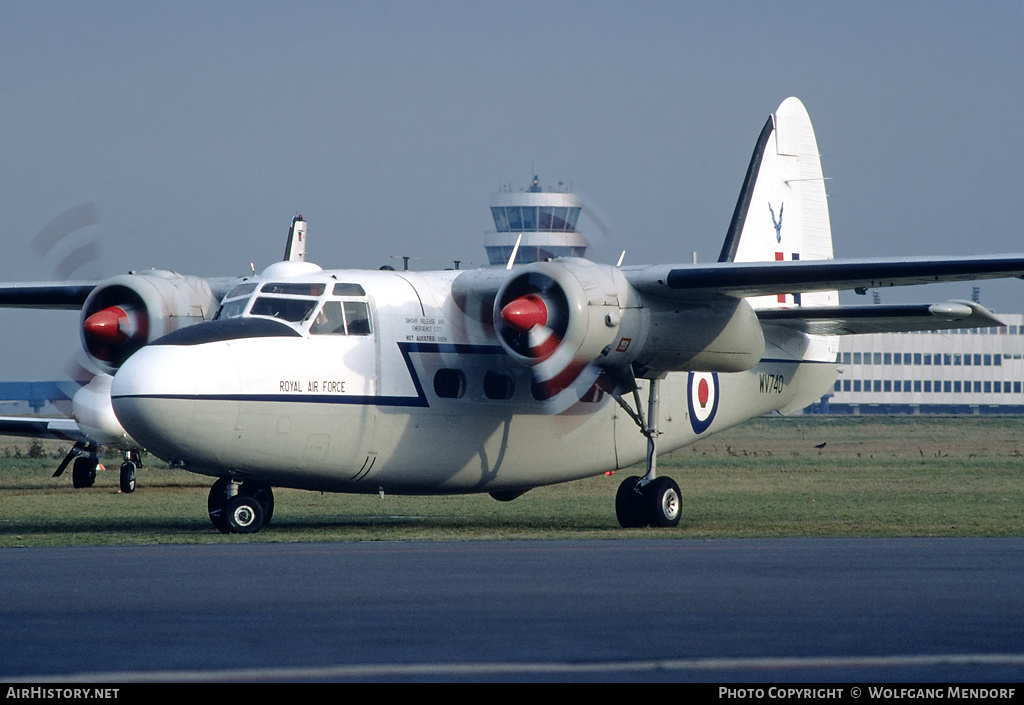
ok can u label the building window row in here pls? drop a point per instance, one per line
(928, 386)
(927, 359)
(994, 330)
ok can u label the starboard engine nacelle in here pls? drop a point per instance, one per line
(563, 316)
(558, 317)
(125, 312)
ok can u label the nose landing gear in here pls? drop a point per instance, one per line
(240, 508)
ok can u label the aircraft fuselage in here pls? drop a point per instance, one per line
(419, 398)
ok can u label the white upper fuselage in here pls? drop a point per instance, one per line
(419, 397)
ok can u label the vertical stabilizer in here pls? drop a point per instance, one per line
(782, 212)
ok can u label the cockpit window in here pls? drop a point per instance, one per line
(291, 310)
(232, 309)
(294, 288)
(357, 318)
(347, 289)
(242, 290)
(342, 318)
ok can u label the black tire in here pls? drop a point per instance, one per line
(243, 515)
(217, 503)
(629, 504)
(664, 502)
(128, 477)
(263, 494)
(83, 473)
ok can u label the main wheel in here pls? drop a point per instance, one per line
(262, 494)
(243, 514)
(128, 477)
(217, 503)
(629, 504)
(664, 502)
(83, 474)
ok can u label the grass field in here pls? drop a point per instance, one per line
(874, 476)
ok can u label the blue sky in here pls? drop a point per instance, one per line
(198, 129)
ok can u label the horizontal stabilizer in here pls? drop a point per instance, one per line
(854, 320)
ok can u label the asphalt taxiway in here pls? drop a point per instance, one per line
(722, 610)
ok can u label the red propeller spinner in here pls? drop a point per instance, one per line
(525, 312)
(109, 326)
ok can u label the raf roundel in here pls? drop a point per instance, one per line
(702, 399)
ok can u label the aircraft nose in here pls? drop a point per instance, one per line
(180, 394)
(157, 391)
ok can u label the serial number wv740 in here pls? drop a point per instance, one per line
(772, 384)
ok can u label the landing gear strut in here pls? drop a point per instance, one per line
(240, 508)
(649, 500)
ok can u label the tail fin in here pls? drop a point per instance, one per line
(782, 212)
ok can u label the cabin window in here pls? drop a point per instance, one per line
(499, 384)
(449, 383)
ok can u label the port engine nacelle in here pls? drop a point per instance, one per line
(125, 312)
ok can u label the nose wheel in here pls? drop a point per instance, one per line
(132, 461)
(240, 508)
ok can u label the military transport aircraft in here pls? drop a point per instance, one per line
(492, 380)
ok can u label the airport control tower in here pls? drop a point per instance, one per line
(546, 220)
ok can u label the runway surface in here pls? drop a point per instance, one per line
(911, 610)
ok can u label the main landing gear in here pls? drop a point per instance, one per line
(86, 461)
(240, 508)
(649, 500)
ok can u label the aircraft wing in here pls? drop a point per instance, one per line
(46, 295)
(788, 277)
(900, 318)
(40, 427)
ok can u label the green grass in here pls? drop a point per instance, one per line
(879, 477)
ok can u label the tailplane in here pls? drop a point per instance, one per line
(782, 211)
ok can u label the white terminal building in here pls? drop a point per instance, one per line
(966, 371)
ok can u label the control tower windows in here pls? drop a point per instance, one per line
(535, 218)
(529, 218)
(500, 219)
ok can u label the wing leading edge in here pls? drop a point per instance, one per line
(747, 279)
